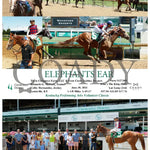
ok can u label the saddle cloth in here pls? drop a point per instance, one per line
(118, 134)
(38, 41)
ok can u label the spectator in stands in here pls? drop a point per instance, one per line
(85, 141)
(70, 141)
(52, 140)
(37, 143)
(90, 134)
(57, 139)
(18, 140)
(32, 144)
(93, 141)
(61, 142)
(24, 140)
(9, 141)
(76, 139)
(65, 138)
(29, 140)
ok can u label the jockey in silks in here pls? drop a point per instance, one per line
(13, 2)
(32, 32)
(117, 128)
(101, 30)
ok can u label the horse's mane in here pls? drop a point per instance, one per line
(103, 128)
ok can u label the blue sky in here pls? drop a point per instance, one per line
(20, 23)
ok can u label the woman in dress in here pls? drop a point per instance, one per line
(32, 144)
(37, 143)
(25, 140)
(70, 141)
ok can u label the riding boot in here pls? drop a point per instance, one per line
(113, 137)
(34, 43)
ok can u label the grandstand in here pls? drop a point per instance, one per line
(45, 114)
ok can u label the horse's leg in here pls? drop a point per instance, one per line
(86, 52)
(103, 52)
(129, 6)
(113, 57)
(38, 52)
(76, 3)
(119, 4)
(110, 145)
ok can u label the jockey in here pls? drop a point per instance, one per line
(101, 30)
(32, 32)
(13, 2)
(117, 127)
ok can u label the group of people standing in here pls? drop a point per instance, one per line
(51, 141)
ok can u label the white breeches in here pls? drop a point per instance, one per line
(33, 37)
(115, 130)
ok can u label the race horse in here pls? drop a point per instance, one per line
(127, 136)
(85, 40)
(20, 7)
(128, 2)
(18, 39)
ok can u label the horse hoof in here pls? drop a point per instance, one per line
(119, 10)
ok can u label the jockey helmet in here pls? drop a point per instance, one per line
(32, 20)
(110, 23)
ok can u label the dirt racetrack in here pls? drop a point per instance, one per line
(70, 10)
(10, 61)
(87, 64)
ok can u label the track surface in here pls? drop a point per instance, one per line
(10, 61)
(70, 10)
(87, 64)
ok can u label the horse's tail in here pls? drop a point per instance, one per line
(142, 140)
(68, 41)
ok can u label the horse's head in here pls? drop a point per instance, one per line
(101, 129)
(121, 32)
(12, 41)
(45, 32)
(98, 129)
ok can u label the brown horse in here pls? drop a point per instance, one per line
(86, 41)
(20, 8)
(128, 2)
(17, 39)
(128, 136)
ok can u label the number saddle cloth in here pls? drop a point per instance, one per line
(118, 134)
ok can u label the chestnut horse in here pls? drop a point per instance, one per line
(128, 2)
(128, 136)
(85, 40)
(17, 39)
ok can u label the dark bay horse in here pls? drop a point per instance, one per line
(20, 8)
(17, 39)
(128, 136)
(128, 2)
(85, 40)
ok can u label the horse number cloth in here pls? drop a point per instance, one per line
(118, 134)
